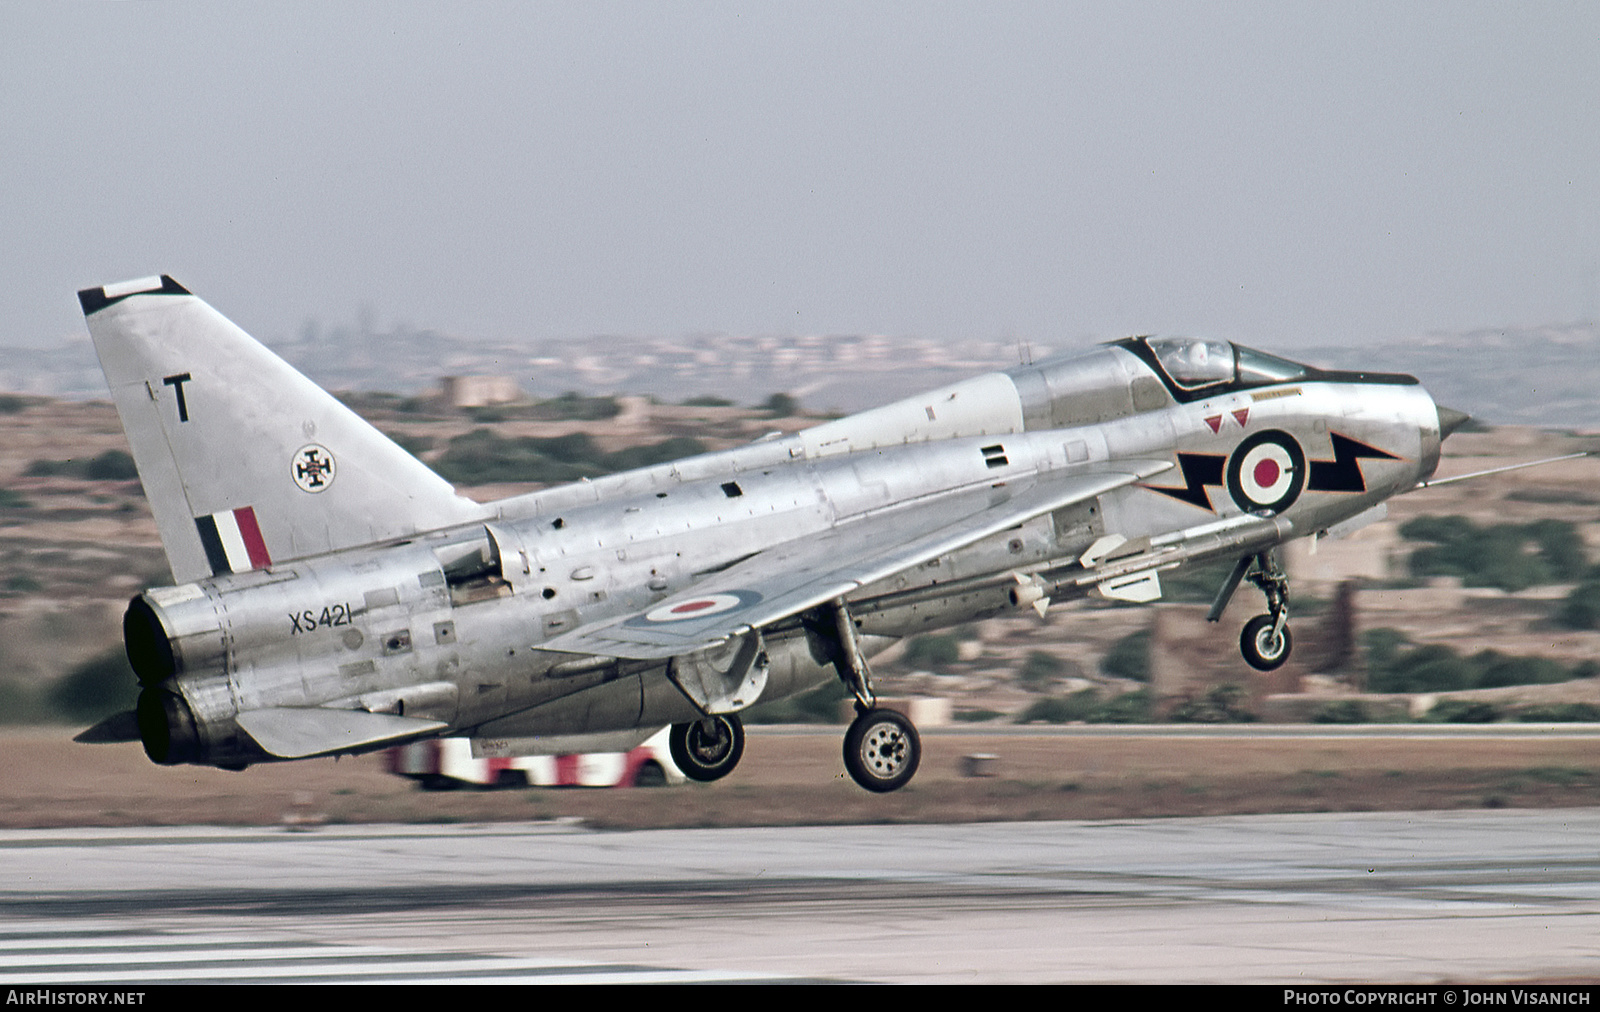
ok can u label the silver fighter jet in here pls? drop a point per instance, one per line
(333, 595)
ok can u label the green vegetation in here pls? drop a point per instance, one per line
(1128, 708)
(573, 406)
(1222, 704)
(367, 403)
(1040, 669)
(781, 406)
(414, 445)
(570, 406)
(1061, 710)
(1086, 706)
(1395, 666)
(1509, 556)
(1560, 546)
(22, 583)
(707, 401)
(112, 465)
(10, 404)
(654, 453)
(481, 456)
(1463, 711)
(1343, 711)
(12, 499)
(1129, 657)
(1581, 608)
(976, 716)
(1560, 713)
(819, 706)
(97, 688)
(934, 652)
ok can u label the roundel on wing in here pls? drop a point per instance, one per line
(1267, 472)
(702, 607)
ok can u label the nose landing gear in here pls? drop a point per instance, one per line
(1265, 646)
(1265, 642)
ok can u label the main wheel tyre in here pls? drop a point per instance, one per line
(882, 750)
(1262, 650)
(708, 749)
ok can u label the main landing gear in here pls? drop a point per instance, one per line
(882, 748)
(707, 749)
(1265, 642)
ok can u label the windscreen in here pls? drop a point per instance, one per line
(1194, 362)
(1259, 367)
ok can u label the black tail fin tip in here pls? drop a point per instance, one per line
(95, 299)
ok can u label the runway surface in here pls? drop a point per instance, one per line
(1413, 897)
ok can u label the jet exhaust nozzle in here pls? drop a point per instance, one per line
(167, 728)
(149, 647)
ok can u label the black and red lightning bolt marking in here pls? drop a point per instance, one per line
(1342, 473)
(1199, 470)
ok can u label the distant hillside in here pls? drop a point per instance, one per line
(1544, 376)
(1547, 376)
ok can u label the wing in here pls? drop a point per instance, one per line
(800, 574)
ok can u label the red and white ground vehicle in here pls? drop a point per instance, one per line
(443, 764)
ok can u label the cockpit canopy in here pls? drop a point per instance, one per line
(1103, 385)
(1194, 362)
(1195, 367)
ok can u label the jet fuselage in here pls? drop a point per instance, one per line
(454, 625)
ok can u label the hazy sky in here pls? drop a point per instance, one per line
(1277, 173)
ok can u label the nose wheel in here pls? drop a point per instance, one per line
(882, 750)
(1265, 642)
(1264, 645)
(707, 749)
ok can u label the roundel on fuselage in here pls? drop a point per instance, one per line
(1267, 472)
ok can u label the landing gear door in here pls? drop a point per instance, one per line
(726, 678)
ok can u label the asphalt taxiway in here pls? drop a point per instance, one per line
(1408, 897)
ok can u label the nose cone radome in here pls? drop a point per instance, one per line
(1450, 420)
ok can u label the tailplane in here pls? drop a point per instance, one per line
(246, 462)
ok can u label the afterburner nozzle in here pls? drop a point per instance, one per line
(1450, 420)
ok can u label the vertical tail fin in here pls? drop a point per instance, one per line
(244, 460)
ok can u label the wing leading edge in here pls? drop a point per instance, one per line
(796, 575)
